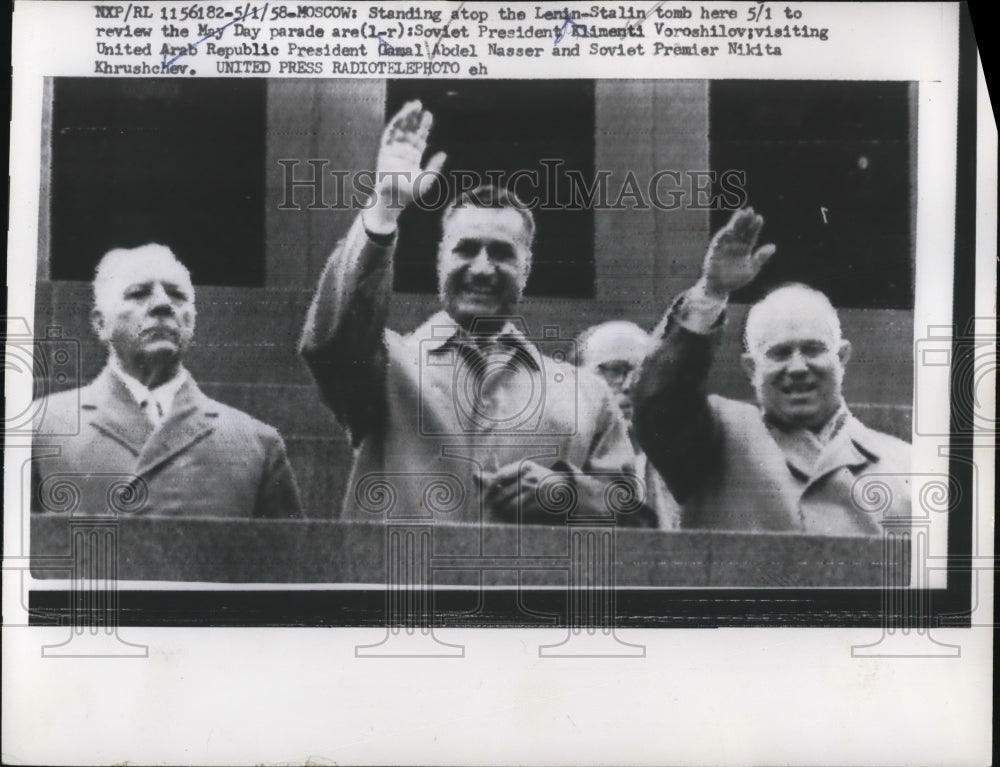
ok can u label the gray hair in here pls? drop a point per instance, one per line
(119, 260)
(607, 341)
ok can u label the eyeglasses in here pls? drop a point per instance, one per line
(617, 372)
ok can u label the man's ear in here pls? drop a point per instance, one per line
(438, 260)
(749, 365)
(525, 266)
(97, 322)
(844, 352)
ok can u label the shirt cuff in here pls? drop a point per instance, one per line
(378, 233)
(384, 240)
(699, 312)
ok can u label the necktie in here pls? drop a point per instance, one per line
(483, 387)
(470, 379)
(153, 410)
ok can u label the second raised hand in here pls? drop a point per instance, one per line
(731, 261)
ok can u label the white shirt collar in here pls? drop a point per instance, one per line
(164, 394)
(440, 328)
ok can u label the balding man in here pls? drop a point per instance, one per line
(794, 461)
(145, 417)
(614, 351)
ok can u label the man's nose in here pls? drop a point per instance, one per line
(159, 301)
(797, 363)
(628, 379)
(480, 263)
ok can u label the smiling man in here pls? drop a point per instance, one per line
(796, 461)
(144, 417)
(466, 418)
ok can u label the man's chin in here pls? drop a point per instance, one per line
(802, 416)
(466, 312)
(161, 351)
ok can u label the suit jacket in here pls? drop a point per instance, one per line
(95, 452)
(732, 470)
(420, 440)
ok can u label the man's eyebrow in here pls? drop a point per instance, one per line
(778, 347)
(145, 283)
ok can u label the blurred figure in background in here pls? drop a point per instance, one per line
(615, 350)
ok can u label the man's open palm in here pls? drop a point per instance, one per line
(731, 262)
(400, 178)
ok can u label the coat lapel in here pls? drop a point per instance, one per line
(116, 413)
(843, 450)
(191, 419)
(808, 457)
(800, 448)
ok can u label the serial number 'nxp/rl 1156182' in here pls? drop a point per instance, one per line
(256, 12)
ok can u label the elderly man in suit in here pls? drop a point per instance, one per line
(144, 417)
(798, 460)
(467, 418)
(614, 350)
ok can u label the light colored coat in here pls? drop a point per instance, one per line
(421, 438)
(770, 480)
(731, 470)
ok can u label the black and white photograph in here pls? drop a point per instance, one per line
(507, 321)
(325, 343)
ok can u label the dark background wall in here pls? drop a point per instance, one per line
(252, 296)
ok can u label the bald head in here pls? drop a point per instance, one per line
(795, 301)
(795, 356)
(611, 341)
